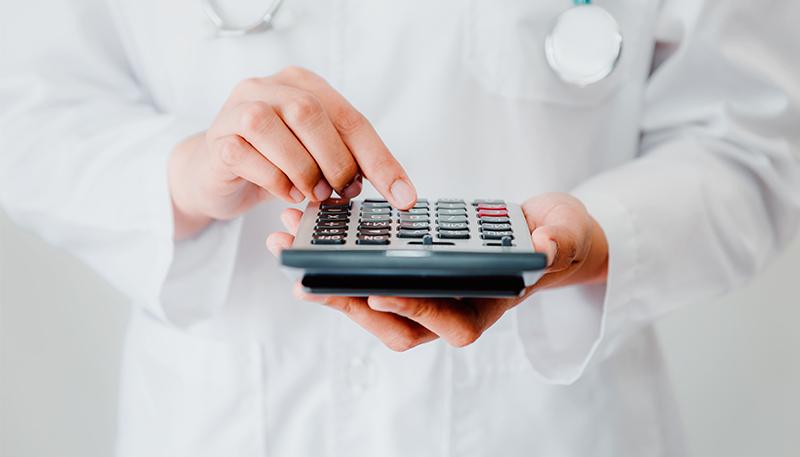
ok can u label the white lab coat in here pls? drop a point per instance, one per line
(684, 157)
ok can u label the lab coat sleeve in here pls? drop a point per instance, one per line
(710, 200)
(83, 152)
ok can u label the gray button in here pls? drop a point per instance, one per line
(453, 234)
(442, 219)
(454, 225)
(499, 227)
(412, 233)
(496, 235)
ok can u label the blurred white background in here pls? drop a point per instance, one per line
(735, 363)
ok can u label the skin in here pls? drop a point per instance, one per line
(292, 136)
(560, 226)
(289, 136)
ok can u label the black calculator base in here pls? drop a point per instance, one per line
(414, 286)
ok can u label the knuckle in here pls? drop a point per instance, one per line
(295, 72)
(231, 151)
(348, 120)
(303, 109)
(466, 336)
(256, 117)
(402, 341)
(343, 175)
(248, 84)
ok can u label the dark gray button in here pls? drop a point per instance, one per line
(411, 233)
(328, 239)
(386, 210)
(335, 203)
(483, 201)
(495, 226)
(374, 232)
(374, 200)
(366, 205)
(414, 217)
(331, 224)
(454, 225)
(414, 225)
(375, 224)
(330, 231)
(496, 235)
(451, 212)
(333, 217)
(453, 234)
(449, 200)
(335, 211)
(376, 217)
(442, 219)
(451, 206)
(369, 239)
(494, 220)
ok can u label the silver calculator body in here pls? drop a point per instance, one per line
(439, 248)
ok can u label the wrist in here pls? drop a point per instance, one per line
(188, 219)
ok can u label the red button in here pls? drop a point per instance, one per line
(490, 207)
(492, 213)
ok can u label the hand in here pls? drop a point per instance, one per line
(291, 136)
(560, 227)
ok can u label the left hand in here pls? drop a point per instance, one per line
(560, 227)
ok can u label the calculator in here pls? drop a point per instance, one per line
(439, 248)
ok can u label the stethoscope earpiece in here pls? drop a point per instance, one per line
(584, 45)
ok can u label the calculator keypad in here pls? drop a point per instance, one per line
(443, 221)
(331, 224)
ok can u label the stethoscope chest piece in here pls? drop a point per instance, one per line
(584, 45)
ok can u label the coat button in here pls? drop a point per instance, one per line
(360, 374)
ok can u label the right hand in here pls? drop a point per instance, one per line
(290, 135)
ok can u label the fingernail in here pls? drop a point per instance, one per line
(403, 193)
(296, 195)
(553, 251)
(377, 304)
(322, 190)
(353, 189)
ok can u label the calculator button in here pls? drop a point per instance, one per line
(414, 217)
(414, 211)
(422, 201)
(496, 227)
(375, 224)
(451, 206)
(496, 235)
(414, 225)
(449, 200)
(368, 205)
(331, 224)
(376, 217)
(412, 233)
(328, 239)
(492, 213)
(335, 203)
(374, 200)
(453, 234)
(491, 207)
(454, 225)
(441, 219)
(374, 232)
(369, 239)
(452, 212)
(386, 210)
(330, 231)
(494, 220)
(421, 204)
(333, 217)
(484, 201)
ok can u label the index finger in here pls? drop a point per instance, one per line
(377, 164)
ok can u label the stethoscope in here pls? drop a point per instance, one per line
(583, 47)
